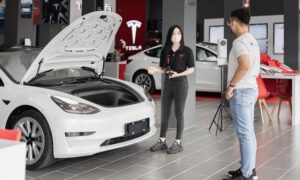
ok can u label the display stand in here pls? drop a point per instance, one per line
(219, 113)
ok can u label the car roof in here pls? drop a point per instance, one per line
(208, 45)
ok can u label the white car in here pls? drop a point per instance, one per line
(207, 70)
(61, 102)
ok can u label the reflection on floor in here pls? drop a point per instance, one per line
(205, 155)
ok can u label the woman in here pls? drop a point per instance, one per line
(176, 61)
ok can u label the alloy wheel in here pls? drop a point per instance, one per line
(33, 135)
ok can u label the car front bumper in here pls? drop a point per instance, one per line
(103, 127)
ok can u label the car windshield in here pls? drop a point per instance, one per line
(17, 62)
(65, 74)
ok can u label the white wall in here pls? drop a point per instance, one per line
(270, 20)
(113, 3)
(75, 10)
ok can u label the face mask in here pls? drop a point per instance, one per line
(176, 38)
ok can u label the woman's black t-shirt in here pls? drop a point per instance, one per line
(177, 61)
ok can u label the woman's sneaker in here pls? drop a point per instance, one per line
(175, 148)
(159, 145)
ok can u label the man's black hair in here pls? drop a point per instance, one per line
(243, 15)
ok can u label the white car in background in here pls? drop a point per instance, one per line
(60, 100)
(207, 69)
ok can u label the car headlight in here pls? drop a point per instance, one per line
(149, 97)
(74, 107)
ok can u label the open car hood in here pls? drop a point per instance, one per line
(84, 43)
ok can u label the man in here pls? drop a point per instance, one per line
(243, 68)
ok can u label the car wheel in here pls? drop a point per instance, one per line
(37, 135)
(144, 80)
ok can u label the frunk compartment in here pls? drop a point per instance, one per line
(112, 96)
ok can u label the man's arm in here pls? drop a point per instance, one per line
(244, 64)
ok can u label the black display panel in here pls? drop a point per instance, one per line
(55, 11)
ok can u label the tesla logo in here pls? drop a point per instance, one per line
(134, 24)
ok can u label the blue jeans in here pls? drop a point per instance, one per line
(242, 108)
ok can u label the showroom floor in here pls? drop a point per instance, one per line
(205, 155)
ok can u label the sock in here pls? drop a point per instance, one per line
(162, 139)
(178, 141)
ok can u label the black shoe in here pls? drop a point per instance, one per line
(239, 178)
(159, 145)
(238, 172)
(175, 148)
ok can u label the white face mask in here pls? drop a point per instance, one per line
(176, 38)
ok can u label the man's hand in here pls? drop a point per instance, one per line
(229, 92)
(152, 70)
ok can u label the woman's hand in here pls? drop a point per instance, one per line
(174, 75)
(152, 70)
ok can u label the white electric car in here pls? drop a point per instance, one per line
(60, 100)
(207, 70)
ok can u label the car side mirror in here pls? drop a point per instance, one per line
(212, 58)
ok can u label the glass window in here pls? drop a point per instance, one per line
(204, 55)
(210, 54)
(154, 52)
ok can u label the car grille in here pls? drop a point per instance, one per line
(129, 128)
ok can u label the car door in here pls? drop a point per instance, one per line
(207, 71)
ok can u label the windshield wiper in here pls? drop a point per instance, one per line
(99, 77)
(37, 76)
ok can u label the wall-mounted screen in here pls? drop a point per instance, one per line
(55, 11)
(2, 9)
(278, 38)
(215, 33)
(260, 32)
(26, 8)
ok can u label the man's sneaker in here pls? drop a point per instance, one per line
(238, 172)
(239, 178)
(159, 145)
(175, 148)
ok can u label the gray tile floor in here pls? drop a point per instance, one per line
(205, 155)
